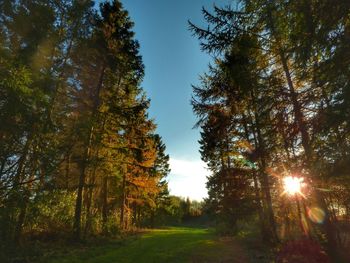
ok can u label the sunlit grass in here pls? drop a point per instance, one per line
(160, 245)
(173, 245)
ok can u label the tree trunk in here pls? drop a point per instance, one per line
(104, 193)
(298, 115)
(67, 169)
(81, 185)
(305, 139)
(134, 216)
(122, 207)
(260, 210)
(85, 160)
(25, 200)
(17, 181)
(258, 200)
(104, 204)
(20, 221)
(265, 184)
(88, 197)
(266, 190)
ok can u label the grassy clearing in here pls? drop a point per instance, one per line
(166, 245)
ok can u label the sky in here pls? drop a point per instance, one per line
(173, 62)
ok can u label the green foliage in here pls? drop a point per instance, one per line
(79, 155)
(51, 211)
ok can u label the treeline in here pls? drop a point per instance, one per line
(275, 103)
(180, 211)
(79, 155)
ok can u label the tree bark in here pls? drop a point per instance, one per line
(104, 204)
(85, 160)
(122, 207)
(264, 179)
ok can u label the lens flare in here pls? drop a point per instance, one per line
(292, 185)
(316, 215)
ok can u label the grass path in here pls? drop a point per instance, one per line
(165, 245)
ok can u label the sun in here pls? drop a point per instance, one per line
(292, 185)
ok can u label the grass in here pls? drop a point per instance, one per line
(176, 244)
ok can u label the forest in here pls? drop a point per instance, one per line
(273, 110)
(79, 155)
(81, 162)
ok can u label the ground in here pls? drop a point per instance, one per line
(169, 245)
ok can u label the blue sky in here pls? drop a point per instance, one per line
(173, 61)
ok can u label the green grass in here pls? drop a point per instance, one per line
(163, 245)
(160, 245)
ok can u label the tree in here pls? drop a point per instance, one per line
(267, 92)
(76, 122)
